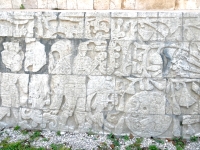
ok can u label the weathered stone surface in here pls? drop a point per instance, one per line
(23, 24)
(84, 4)
(115, 4)
(120, 72)
(6, 19)
(60, 58)
(14, 90)
(42, 4)
(155, 4)
(99, 4)
(71, 25)
(30, 4)
(5, 4)
(128, 4)
(39, 91)
(35, 56)
(12, 56)
(97, 25)
(91, 58)
(71, 4)
(186, 4)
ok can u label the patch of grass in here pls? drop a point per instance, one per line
(24, 132)
(19, 145)
(126, 137)
(22, 6)
(136, 145)
(159, 141)
(193, 139)
(59, 147)
(45, 139)
(114, 140)
(17, 128)
(35, 135)
(178, 142)
(58, 133)
(153, 147)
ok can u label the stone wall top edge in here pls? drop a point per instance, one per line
(49, 10)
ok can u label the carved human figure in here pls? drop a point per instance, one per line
(60, 57)
(83, 64)
(12, 56)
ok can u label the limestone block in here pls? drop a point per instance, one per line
(146, 61)
(84, 4)
(5, 4)
(12, 56)
(68, 100)
(193, 59)
(91, 58)
(97, 25)
(115, 4)
(6, 20)
(62, 4)
(46, 24)
(71, 24)
(119, 58)
(35, 56)
(16, 4)
(100, 97)
(170, 26)
(42, 4)
(60, 57)
(186, 4)
(52, 4)
(128, 4)
(191, 28)
(99, 4)
(124, 26)
(30, 4)
(155, 4)
(8, 117)
(39, 91)
(23, 24)
(147, 26)
(30, 118)
(71, 4)
(183, 95)
(191, 125)
(14, 90)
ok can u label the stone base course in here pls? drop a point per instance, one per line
(119, 72)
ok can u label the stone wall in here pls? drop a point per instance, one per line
(101, 4)
(120, 72)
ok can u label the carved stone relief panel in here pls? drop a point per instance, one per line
(97, 25)
(194, 59)
(119, 58)
(23, 24)
(30, 118)
(169, 26)
(8, 117)
(147, 59)
(35, 55)
(191, 125)
(46, 24)
(5, 4)
(191, 28)
(67, 110)
(147, 26)
(71, 24)
(60, 57)
(139, 102)
(100, 98)
(12, 56)
(183, 95)
(123, 26)
(91, 58)
(14, 90)
(39, 91)
(6, 20)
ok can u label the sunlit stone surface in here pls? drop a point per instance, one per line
(119, 72)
